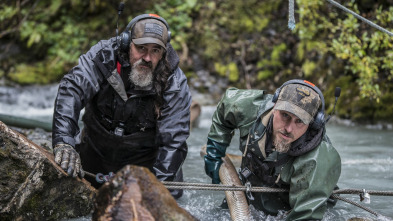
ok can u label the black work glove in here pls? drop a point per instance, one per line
(213, 159)
(68, 159)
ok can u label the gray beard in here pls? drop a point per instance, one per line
(140, 78)
(281, 146)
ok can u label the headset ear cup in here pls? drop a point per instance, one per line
(276, 94)
(169, 36)
(125, 41)
(319, 120)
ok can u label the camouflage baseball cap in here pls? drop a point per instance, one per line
(299, 100)
(150, 31)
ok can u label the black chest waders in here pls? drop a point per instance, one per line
(107, 145)
(256, 170)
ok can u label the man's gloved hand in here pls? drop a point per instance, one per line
(68, 159)
(213, 159)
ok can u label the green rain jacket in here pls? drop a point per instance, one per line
(311, 177)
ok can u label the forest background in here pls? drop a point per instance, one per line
(221, 43)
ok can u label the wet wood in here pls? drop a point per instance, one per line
(195, 112)
(33, 186)
(136, 194)
(237, 202)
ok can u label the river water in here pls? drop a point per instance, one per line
(366, 154)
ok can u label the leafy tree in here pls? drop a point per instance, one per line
(247, 43)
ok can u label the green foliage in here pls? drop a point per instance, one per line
(363, 50)
(271, 65)
(276, 53)
(177, 14)
(222, 24)
(247, 42)
(7, 12)
(308, 68)
(382, 112)
(35, 74)
(51, 33)
(265, 74)
(229, 71)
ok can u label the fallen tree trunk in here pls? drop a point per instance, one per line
(25, 122)
(34, 187)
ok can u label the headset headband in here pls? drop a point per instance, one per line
(146, 16)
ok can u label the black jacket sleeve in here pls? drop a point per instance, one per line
(76, 88)
(173, 127)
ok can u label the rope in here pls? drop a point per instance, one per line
(358, 191)
(291, 15)
(354, 203)
(360, 17)
(219, 187)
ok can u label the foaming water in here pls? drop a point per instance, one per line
(386, 161)
(35, 102)
(366, 154)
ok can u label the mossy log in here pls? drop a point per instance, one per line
(34, 187)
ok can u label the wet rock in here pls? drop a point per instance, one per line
(136, 194)
(33, 186)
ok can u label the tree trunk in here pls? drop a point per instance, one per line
(34, 187)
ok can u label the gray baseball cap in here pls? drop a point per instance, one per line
(299, 100)
(150, 31)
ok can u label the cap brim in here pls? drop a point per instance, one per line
(148, 40)
(292, 108)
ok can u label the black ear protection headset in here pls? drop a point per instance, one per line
(125, 37)
(319, 119)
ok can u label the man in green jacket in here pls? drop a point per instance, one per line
(284, 145)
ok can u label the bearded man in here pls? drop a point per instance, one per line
(137, 106)
(284, 145)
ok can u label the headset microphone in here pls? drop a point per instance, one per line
(119, 11)
(337, 93)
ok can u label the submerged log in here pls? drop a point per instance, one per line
(195, 111)
(23, 122)
(34, 187)
(136, 194)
